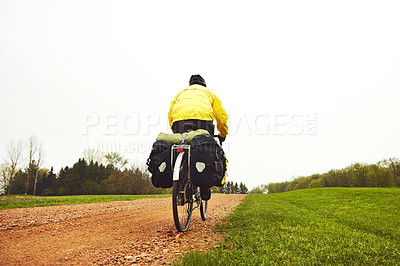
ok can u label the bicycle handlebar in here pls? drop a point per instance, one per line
(219, 139)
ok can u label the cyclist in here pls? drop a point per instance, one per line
(196, 107)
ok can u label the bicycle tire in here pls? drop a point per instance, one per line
(182, 204)
(203, 209)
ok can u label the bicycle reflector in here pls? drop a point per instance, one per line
(179, 149)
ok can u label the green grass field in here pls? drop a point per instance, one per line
(23, 201)
(334, 226)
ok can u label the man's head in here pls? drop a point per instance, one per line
(197, 79)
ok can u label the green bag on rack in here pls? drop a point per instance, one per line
(178, 137)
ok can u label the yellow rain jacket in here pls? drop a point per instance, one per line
(198, 102)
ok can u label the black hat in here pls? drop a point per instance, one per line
(197, 79)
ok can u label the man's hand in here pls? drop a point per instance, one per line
(221, 139)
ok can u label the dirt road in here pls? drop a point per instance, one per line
(138, 232)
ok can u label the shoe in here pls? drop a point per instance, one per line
(205, 193)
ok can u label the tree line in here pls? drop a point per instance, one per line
(385, 173)
(94, 174)
(30, 153)
(22, 172)
(85, 178)
(234, 188)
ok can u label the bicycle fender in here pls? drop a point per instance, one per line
(177, 166)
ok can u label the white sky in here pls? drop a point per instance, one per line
(102, 73)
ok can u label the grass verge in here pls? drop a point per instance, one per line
(357, 226)
(26, 201)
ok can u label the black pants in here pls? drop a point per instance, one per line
(193, 124)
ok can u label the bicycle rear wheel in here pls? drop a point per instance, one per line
(203, 209)
(182, 200)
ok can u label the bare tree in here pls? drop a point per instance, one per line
(32, 150)
(14, 156)
(35, 161)
(93, 155)
(40, 160)
(116, 160)
(4, 174)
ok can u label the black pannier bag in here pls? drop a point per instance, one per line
(159, 164)
(208, 161)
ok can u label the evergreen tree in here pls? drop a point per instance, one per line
(243, 189)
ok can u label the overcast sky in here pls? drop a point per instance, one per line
(309, 85)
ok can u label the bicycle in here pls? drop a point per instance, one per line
(184, 193)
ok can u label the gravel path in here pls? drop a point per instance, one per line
(127, 232)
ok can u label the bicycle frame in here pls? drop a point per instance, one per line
(177, 153)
